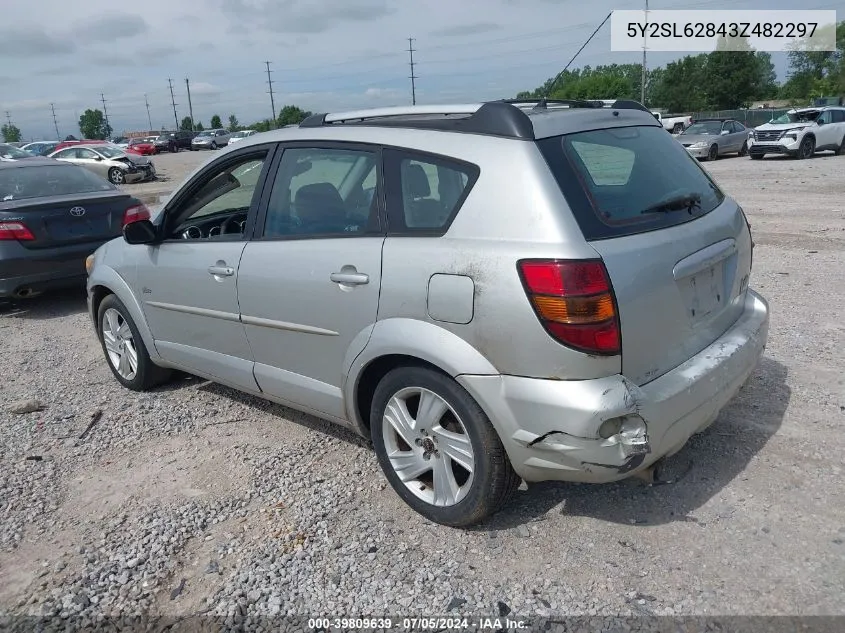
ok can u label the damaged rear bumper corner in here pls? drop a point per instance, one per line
(550, 428)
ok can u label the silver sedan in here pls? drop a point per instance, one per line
(109, 162)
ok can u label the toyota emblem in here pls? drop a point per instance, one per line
(77, 211)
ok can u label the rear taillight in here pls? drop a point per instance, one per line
(574, 301)
(15, 231)
(135, 214)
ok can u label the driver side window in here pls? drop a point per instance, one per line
(219, 205)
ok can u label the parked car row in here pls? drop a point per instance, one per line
(798, 133)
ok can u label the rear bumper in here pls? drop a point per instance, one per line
(43, 269)
(550, 427)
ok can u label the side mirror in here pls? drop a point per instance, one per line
(656, 115)
(98, 157)
(819, 122)
(140, 232)
(725, 132)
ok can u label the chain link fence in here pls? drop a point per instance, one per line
(749, 118)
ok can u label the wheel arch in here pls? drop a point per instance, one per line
(106, 281)
(405, 342)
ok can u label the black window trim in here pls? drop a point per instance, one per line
(593, 228)
(261, 219)
(393, 157)
(201, 177)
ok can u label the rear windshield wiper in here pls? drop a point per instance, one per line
(688, 201)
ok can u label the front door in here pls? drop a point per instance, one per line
(188, 282)
(309, 283)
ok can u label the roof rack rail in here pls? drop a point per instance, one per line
(504, 118)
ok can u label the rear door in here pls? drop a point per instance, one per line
(677, 250)
(309, 282)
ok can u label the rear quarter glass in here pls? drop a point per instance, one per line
(610, 177)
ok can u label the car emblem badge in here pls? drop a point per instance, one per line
(77, 211)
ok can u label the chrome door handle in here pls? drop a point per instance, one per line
(350, 279)
(221, 271)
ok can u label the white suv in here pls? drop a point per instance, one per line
(800, 133)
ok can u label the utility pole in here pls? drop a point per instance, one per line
(272, 102)
(105, 112)
(645, 72)
(149, 118)
(190, 107)
(413, 77)
(9, 118)
(173, 101)
(56, 123)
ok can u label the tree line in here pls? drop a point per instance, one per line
(720, 80)
(93, 124)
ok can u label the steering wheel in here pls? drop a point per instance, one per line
(227, 224)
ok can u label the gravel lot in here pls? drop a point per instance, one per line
(197, 498)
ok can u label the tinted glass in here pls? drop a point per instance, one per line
(426, 192)
(838, 116)
(49, 180)
(323, 192)
(629, 180)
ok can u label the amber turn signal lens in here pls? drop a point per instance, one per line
(575, 309)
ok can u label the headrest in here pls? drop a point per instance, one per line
(415, 181)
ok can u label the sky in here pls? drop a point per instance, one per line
(324, 55)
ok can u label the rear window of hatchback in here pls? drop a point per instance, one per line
(628, 180)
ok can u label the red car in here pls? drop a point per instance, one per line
(64, 144)
(141, 146)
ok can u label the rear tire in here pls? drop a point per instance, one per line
(124, 348)
(841, 149)
(440, 419)
(677, 128)
(744, 149)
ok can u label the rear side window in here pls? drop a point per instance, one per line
(425, 192)
(623, 181)
(40, 181)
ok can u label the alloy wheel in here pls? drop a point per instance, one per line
(119, 344)
(428, 446)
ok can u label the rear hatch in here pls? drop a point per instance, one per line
(676, 249)
(62, 205)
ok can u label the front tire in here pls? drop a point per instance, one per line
(124, 349)
(807, 148)
(213, 145)
(438, 449)
(744, 149)
(116, 176)
(713, 153)
(756, 156)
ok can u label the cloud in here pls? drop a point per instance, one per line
(303, 16)
(158, 52)
(467, 29)
(25, 42)
(113, 27)
(382, 93)
(204, 88)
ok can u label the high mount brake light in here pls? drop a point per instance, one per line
(574, 301)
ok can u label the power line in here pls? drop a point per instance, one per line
(569, 63)
(149, 118)
(413, 77)
(272, 102)
(173, 101)
(56, 123)
(190, 105)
